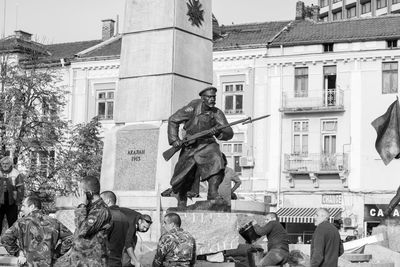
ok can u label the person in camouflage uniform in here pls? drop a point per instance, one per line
(92, 222)
(176, 247)
(34, 237)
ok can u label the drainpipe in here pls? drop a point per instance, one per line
(280, 137)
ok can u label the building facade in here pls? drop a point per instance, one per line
(332, 10)
(322, 83)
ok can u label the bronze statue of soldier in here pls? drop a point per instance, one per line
(203, 155)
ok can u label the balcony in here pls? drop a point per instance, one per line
(315, 165)
(330, 100)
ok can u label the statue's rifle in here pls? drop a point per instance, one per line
(189, 139)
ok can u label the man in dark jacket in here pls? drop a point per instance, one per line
(326, 246)
(278, 241)
(137, 223)
(118, 230)
(204, 155)
(11, 191)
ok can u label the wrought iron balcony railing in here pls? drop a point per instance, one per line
(316, 163)
(312, 100)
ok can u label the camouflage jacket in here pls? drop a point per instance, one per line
(37, 235)
(175, 248)
(89, 248)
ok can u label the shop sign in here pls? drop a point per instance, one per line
(332, 199)
(374, 212)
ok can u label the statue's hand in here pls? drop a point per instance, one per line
(177, 143)
(214, 131)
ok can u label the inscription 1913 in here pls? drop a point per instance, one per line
(136, 154)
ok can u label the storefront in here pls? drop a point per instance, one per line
(297, 213)
(373, 214)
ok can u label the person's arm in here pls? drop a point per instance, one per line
(236, 180)
(341, 248)
(226, 133)
(262, 230)
(176, 119)
(20, 189)
(92, 223)
(66, 238)
(9, 240)
(318, 245)
(193, 261)
(161, 252)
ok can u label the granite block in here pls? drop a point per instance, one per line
(391, 234)
(216, 231)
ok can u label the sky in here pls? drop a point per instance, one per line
(60, 21)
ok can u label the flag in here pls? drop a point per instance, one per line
(387, 128)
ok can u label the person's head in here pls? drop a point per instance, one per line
(171, 221)
(30, 204)
(271, 216)
(321, 215)
(90, 184)
(208, 95)
(109, 198)
(6, 163)
(144, 223)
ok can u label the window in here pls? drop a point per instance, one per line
(366, 8)
(351, 12)
(337, 15)
(381, 4)
(328, 132)
(300, 138)
(233, 95)
(335, 1)
(391, 43)
(323, 3)
(390, 74)
(324, 18)
(105, 100)
(233, 153)
(328, 47)
(395, 1)
(301, 82)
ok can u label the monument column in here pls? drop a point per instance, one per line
(166, 59)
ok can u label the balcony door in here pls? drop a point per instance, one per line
(328, 154)
(329, 86)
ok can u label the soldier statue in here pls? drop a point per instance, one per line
(203, 156)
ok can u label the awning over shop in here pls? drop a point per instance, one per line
(304, 215)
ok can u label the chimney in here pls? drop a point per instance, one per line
(23, 35)
(107, 31)
(300, 10)
(313, 12)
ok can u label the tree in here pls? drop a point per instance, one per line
(31, 102)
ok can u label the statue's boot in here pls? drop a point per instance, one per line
(393, 203)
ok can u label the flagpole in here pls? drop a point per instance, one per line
(4, 20)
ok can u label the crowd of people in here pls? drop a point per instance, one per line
(105, 234)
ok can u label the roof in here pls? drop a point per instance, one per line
(69, 50)
(364, 29)
(110, 49)
(252, 34)
(12, 44)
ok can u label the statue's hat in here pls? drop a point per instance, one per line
(206, 89)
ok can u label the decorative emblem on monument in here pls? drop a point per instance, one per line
(195, 13)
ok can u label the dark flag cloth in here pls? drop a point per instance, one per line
(387, 128)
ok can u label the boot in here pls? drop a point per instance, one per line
(393, 203)
(182, 201)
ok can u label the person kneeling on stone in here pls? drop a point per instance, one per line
(278, 241)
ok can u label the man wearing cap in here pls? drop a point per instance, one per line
(204, 154)
(11, 191)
